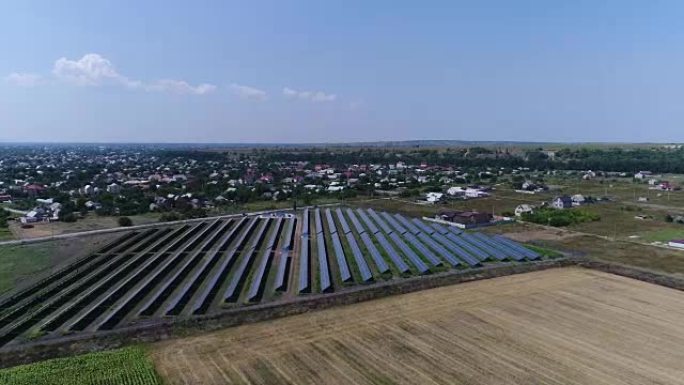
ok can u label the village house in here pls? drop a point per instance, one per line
(561, 202)
(524, 209)
(467, 218)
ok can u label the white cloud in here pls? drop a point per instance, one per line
(23, 79)
(180, 87)
(313, 96)
(247, 92)
(90, 70)
(95, 70)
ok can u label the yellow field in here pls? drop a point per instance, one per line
(561, 326)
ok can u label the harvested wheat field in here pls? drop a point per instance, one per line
(560, 326)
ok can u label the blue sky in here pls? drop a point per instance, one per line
(340, 71)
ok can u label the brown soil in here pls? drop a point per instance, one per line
(561, 326)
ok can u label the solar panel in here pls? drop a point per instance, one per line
(284, 259)
(114, 314)
(345, 275)
(505, 249)
(472, 250)
(463, 254)
(118, 284)
(65, 280)
(375, 254)
(323, 269)
(423, 227)
(343, 221)
(497, 254)
(304, 264)
(439, 228)
(318, 221)
(406, 223)
(423, 250)
(394, 256)
(355, 221)
(305, 222)
(529, 254)
(393, 223)
(412, 256)
(367, 221)
(281, 272)
(379, 221)
(331, 222)
(203, 301)
(158, 297)
(258, 280)
(439, 249)
(358, 257)
(179, 300)
(455, 230)
(286, 243)
(239, 276)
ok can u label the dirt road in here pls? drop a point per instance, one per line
(562, 326)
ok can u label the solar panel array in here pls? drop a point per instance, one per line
(200, 268)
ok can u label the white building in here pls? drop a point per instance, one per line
(678, 243)
(434, 197)
(523, 209)
(114, 189)
(642, 175)
(578, 200)
(456, 191)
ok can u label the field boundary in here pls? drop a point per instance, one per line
(164, 329)
(152, 225)
(159, 329)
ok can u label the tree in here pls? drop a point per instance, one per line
(125, 221)
(69, 217)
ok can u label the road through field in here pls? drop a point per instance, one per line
(561, 326)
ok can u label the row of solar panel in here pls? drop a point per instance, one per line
(409, 245)
(187, 269)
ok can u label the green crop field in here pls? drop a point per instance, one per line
(128, 366)
(18, 262)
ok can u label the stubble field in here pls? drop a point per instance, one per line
(561, 326)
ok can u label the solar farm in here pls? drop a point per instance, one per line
(193, 269)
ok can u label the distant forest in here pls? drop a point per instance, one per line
(661, 160)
